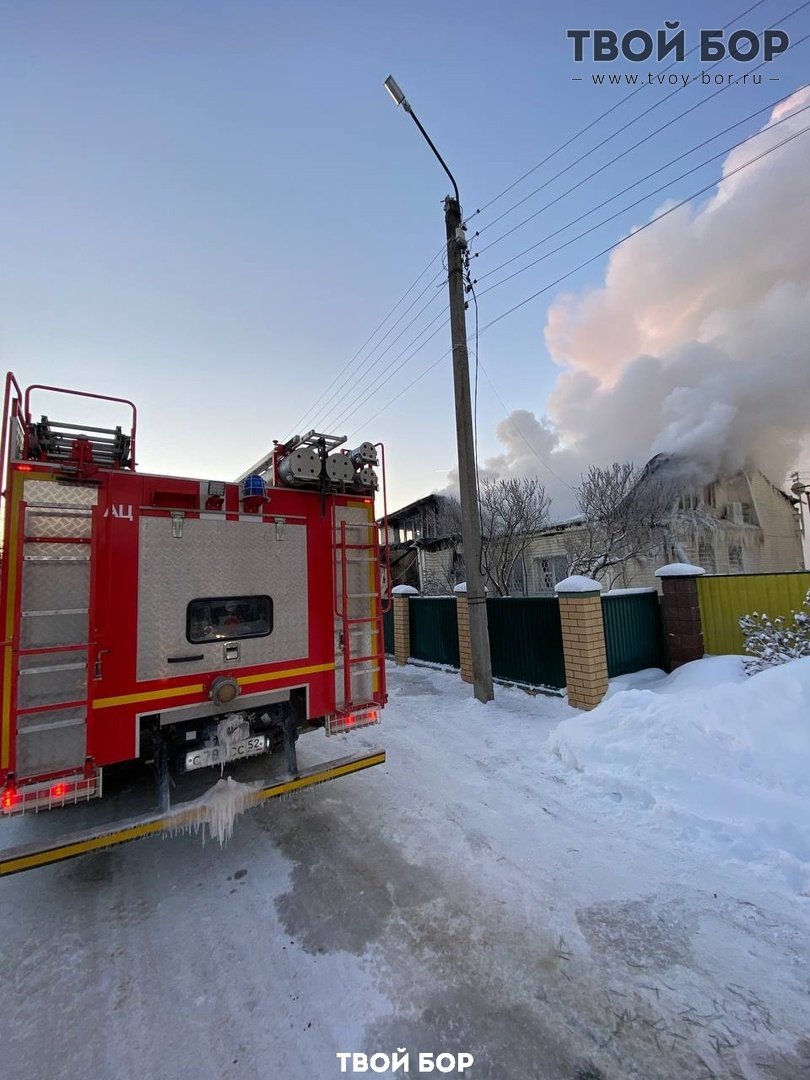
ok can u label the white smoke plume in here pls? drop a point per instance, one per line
(698, 342)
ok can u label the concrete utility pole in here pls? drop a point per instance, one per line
(468, 487)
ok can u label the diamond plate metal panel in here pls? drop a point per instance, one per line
(46, 552)
(57, 523)
(51, 679)
(51, 740)
(55, 585)
(51, 719)
(214, 557)
(49, 493)
(40, 631)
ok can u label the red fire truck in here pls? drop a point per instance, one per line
(186, 622)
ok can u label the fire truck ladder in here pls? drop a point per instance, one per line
(57, 441)
(357, 606)
(51, 634)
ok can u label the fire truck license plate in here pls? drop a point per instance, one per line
(211, 755)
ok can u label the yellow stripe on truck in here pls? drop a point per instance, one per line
(198, 688)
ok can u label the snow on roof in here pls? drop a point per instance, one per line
(679, 569)
(562, 525)
(578, 583)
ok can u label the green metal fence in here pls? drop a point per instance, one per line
(634, 637)
(434, 629)
(388, 630)
(525, 636)
(525, 640)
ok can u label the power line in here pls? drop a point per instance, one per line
(593, 123)
(640, 116)
(624, 209)
(698, 146)
(348, 364)
(371, 358)
(618, 157)
(641, 228)
(379, 381)
(561, 247)
(413, 382)
(582, 265)
(635, 146)
(542, 461)
(471, 289)
(350, 392)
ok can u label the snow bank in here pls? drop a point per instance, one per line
(722, 756)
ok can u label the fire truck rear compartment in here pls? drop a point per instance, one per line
(159, 627)
(215, 558)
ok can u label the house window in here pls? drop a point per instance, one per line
(548, 572)
(706, 557)
(735, 559)
(517, 584)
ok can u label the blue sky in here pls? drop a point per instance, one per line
(210, 207)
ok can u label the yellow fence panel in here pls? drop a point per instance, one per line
(725, 599)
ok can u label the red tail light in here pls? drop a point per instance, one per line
(58, 790)
(350, 721)
(10, 797)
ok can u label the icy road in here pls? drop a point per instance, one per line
(470, 896)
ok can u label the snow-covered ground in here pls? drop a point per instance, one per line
(567, 896)
(720, 758)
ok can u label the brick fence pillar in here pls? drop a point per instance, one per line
(583, 635)
(683, 628)
(464, 642)
(401, 595)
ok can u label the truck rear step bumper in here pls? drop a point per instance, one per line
(29, 856)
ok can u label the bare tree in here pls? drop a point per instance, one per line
(443, 558)
(625, 512)
(512, 511)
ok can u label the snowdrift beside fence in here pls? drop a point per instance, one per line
(721, 756)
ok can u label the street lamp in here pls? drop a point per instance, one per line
(468, 488)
